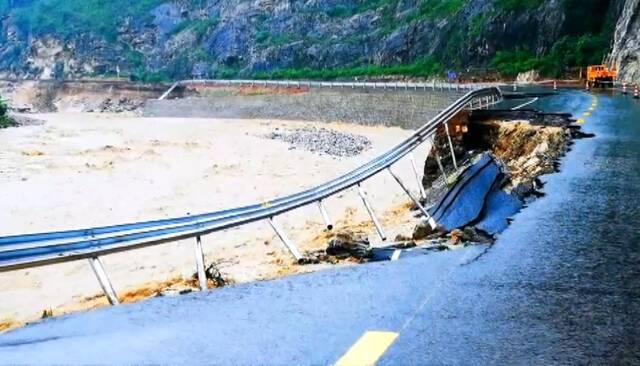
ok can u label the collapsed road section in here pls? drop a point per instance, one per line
(503, 155)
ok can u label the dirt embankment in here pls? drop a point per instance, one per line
(527, 150)
(77, 96)
(528, 143)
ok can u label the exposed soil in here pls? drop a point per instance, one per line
(78, 96)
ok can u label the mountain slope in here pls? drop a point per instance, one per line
(159, 39)
(626, 48)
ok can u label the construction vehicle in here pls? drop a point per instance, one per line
(601, 75)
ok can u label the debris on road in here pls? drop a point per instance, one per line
(345, 245)
(214, 275)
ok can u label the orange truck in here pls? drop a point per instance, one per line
(600, 75)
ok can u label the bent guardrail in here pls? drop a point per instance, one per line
(31, 250)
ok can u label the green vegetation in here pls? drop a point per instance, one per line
(344, 11)
(199, 27)
(142, 75)
(225, 72)
(422, 68)
(517, 5)
(436, 9)
(566, 53)
(264, 36)
(5, 121)
(511, 63)
(70, 17)
(476, 25)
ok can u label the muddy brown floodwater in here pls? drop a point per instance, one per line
(85, 169)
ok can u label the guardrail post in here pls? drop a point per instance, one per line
(432, 222)
(423, 194)
(367, 205)
(202, 276)
(285, 240)
(440, 166)
(101, 274)
(325, 216)
(453, 155)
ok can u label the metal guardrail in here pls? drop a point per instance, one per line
(31, 250)
(434, 85)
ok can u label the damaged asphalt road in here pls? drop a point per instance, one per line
(558, 286)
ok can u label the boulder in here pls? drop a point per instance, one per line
(528, 77)
(422, 230)
(349, 244)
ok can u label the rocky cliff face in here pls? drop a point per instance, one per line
(218, 38)
(626, 47)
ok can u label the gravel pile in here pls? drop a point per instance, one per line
(323, 141)
(123, 104)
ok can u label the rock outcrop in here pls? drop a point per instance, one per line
(626, 47)
(213, 38)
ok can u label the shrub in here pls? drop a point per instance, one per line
(566, 53)
(518, 5)
(424, 67)
(5, 120)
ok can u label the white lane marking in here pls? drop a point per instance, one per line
(525, 104)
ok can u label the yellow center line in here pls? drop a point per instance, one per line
(586, 114)
(368, 349)
(580, 120)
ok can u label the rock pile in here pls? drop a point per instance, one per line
(345, 245)
(323, 141)
(122, 104)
